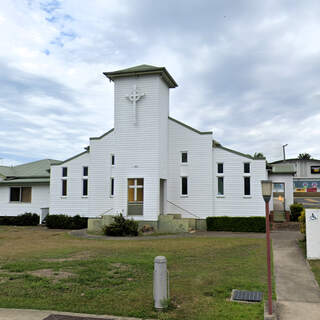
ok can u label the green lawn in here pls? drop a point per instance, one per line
(48, 269)
(314, 264)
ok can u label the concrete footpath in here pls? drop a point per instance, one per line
(26, 314)
(298, 293)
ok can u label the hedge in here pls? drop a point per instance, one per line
(121, 227)
(236, 224)
(295, 211)
(62, 221)
(26, 219)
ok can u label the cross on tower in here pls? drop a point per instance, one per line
(134, 97)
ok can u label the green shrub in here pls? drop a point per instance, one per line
(295, 211)
(62, 221)
(236, 224)
(121, 227)
(302, 220)
(26, 219)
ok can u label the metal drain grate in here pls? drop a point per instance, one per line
(246, 296)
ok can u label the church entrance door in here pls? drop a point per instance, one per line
(135, 196)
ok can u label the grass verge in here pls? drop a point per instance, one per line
(48, 269)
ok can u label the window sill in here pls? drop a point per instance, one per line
(220, 196)
(112, 196)
(184, 163)
(64, 197)
(247, 197)
(84, 197)
(184, 195)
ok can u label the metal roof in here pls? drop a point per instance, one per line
(36, 169)
(143, 69)
(282, 168)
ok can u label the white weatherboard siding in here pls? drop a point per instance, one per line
(139, 147)
(303, 169)
(100, 173)
(74, 203)
(39, 199)
(198, 170)
(288, 181)
(234, 203)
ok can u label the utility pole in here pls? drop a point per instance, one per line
(284, 151)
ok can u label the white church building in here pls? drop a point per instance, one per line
(150, 164)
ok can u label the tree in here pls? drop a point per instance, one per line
(304, 156)
(259, 155)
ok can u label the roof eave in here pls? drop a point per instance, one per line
(168, 79)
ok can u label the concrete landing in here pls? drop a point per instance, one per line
(298, 293)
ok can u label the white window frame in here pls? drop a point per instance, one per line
(64, 179)
(20, 194)
(181, 194)
(220, 176)
(85, 178)
(184, 163)
(111, 194)
(247, 173)
(221, 173)
(250, 186)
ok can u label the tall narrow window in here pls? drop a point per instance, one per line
(85, 182)
(246, 167)
(247, 191)
(220, 168)
(64, 181)
(64, 187)
(85, 187)
(112, 187)
(113, 160)
(220, 186)
(184, 186)
(64, 171)
(184, 157)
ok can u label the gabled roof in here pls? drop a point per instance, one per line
(74, 157)
(188, 127)
(103, 135)
(216, 144)
(293, 160)
(36, 171)
(143, 69)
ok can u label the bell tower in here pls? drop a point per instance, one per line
(141, 110)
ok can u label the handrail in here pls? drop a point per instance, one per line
(187, 211)
(106, 212)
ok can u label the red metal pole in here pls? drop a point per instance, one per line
(268, 258)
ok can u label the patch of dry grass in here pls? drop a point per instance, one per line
(115, 277)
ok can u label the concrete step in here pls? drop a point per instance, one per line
(174, 215)
(279, 217)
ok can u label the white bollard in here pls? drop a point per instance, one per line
(160, 283)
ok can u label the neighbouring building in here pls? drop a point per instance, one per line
(295, 181)
(25, 188)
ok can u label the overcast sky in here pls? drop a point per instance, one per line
(247, 70)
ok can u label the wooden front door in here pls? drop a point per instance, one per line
(135, 196)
